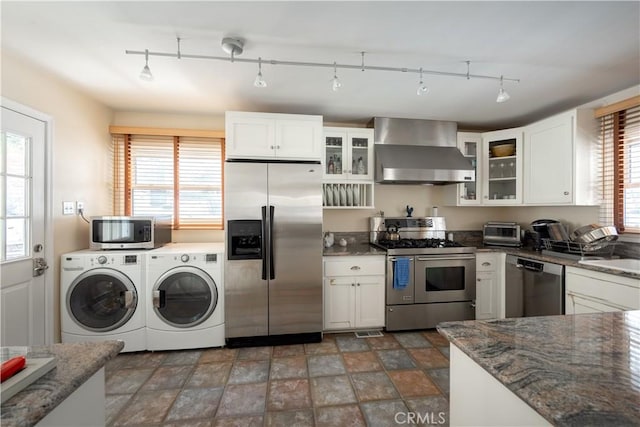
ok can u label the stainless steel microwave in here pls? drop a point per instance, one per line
(128, 232)
(501, 234)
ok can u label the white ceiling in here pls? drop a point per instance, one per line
(565, 53)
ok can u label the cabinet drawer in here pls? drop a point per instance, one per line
(354, 266)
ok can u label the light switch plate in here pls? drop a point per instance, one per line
(68, 208)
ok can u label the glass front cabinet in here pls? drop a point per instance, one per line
(348, 154)
(501, 158)
(469, 145)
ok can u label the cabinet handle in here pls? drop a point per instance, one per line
(357, 284)
(278, 147)
(355, 267)
(566, 193)
(272, 147)
(353, 284)
(473, 305)
(478, 280)
(486, 197)
(486, 264)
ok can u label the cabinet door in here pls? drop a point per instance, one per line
(336, 155)
(249, 137)
(369, 309)
(548, 166)
(502, 179)
(469, 193)
(360, 157)
(298, 139)
(486, 286)
(339, 293)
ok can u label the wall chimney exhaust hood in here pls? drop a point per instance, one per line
(409, 151)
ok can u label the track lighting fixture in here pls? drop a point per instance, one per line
(335, 82)
(260, 81)
(145, 74)
(503, 96)
(422, 88)
(234, 47)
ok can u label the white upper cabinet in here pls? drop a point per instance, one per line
(348, 154)
(501, 165)
(272, 136)
(558, 168)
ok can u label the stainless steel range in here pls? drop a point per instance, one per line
(430, 279)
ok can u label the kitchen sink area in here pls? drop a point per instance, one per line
(630, 265)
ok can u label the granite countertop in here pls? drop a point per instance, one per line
(573, 370)
(353, 249)
(536, 255)
(76, 363)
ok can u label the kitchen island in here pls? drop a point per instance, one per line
(70, 394)
(554, 370)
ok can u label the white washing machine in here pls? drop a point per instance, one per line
(102, 297)
(185, 296)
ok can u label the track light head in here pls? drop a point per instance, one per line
(335, 82)
(145, 74)
(503, 96)
(260, 81)
(422, 88)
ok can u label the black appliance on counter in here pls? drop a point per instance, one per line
(540, 231)
(430, 279)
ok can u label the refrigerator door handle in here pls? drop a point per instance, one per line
(262, 243)
(272, 272)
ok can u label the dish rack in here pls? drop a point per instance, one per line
(601, 249)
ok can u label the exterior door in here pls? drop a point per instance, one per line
(26, 303)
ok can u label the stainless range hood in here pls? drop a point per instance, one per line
(409, 151)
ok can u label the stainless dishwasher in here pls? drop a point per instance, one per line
(533, 288)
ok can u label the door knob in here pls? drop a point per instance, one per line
(39, 266)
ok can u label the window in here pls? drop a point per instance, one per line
(620, 167)
(178, 177)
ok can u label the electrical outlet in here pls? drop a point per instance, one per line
(80, 208)
(67, 208)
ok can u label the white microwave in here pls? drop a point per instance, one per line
(128, 232)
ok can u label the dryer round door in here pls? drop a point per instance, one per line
(184, 296)
(101, 300)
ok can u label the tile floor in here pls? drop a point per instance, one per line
(342, 381)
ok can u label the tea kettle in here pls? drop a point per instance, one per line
(392, 233)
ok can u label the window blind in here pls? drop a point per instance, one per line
(166, 176)
(619, 166)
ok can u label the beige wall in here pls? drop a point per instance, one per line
(80, 152)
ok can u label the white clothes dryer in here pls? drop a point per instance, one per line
(185, 296)
(102, 297)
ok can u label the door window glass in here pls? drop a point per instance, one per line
(15, 187)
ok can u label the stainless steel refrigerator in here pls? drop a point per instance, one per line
(273, 264)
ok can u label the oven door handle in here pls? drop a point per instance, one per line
(392, 258)
(445, 258)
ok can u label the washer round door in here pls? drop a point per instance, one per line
(184, 296)
(101, 300)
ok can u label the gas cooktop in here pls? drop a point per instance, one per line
(422, 246)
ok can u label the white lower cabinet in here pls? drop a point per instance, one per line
(354, 292)
(590, 291)
(489, 272)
